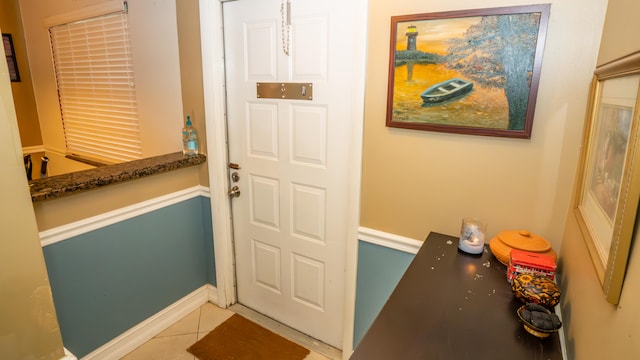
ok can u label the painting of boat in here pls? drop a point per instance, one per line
(446, 90)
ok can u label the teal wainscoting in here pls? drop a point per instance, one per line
(207, 237)
(379, 270)
(106, 281)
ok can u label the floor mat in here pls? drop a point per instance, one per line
(238, 339)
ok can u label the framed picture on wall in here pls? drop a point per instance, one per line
(7, 41)
(469, 72)
(609, 175)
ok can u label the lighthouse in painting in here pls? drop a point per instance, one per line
(412, 34)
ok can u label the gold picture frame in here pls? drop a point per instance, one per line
(608, 190)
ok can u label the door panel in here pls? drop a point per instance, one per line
(262, 130)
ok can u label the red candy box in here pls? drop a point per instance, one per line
(525, 262)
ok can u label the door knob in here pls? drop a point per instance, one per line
(234, 192)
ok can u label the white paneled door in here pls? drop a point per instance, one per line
(290, 220)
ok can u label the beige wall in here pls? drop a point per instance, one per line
(597, 329)
(28, 325)
(58, 212)
(619, 29)
(159, 67)
(24, 100)
(53, 213)
(415, 182)
(188, 15)
(154, 39)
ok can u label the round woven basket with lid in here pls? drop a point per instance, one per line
(505, 241)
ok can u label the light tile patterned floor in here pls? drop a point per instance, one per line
(172, 343)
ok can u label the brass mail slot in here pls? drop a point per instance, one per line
(291, 91)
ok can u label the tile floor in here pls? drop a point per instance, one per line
(172, 343)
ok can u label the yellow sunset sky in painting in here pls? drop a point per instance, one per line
(433, 34)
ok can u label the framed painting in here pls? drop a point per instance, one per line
(608, 189)
(7, 41)
(469, 72)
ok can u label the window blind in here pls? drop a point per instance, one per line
(96, 88)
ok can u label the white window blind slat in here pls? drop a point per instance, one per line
(96, 87)
(109, 146)
(88, 144)
(110, 115)
(106, 128)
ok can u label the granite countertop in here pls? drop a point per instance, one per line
(66, 184)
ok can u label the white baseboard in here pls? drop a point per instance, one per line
(212, 293)
(392, 241)
(68, 355)
(563, 341)
(33, 149)
(80, 227)
(146, 330)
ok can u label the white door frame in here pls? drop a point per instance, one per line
(213, 73)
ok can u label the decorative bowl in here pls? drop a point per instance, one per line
(532, 329)
(531, 288)
(505, 241)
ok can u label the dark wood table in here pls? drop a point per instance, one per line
(451, 305)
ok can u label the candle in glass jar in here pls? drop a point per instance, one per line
(472, 236)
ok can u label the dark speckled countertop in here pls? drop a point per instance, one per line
(66, 184)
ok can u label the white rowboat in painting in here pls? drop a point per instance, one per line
(446, 90)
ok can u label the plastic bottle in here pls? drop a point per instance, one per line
(189, 139)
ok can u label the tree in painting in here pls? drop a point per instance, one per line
(499, 52)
